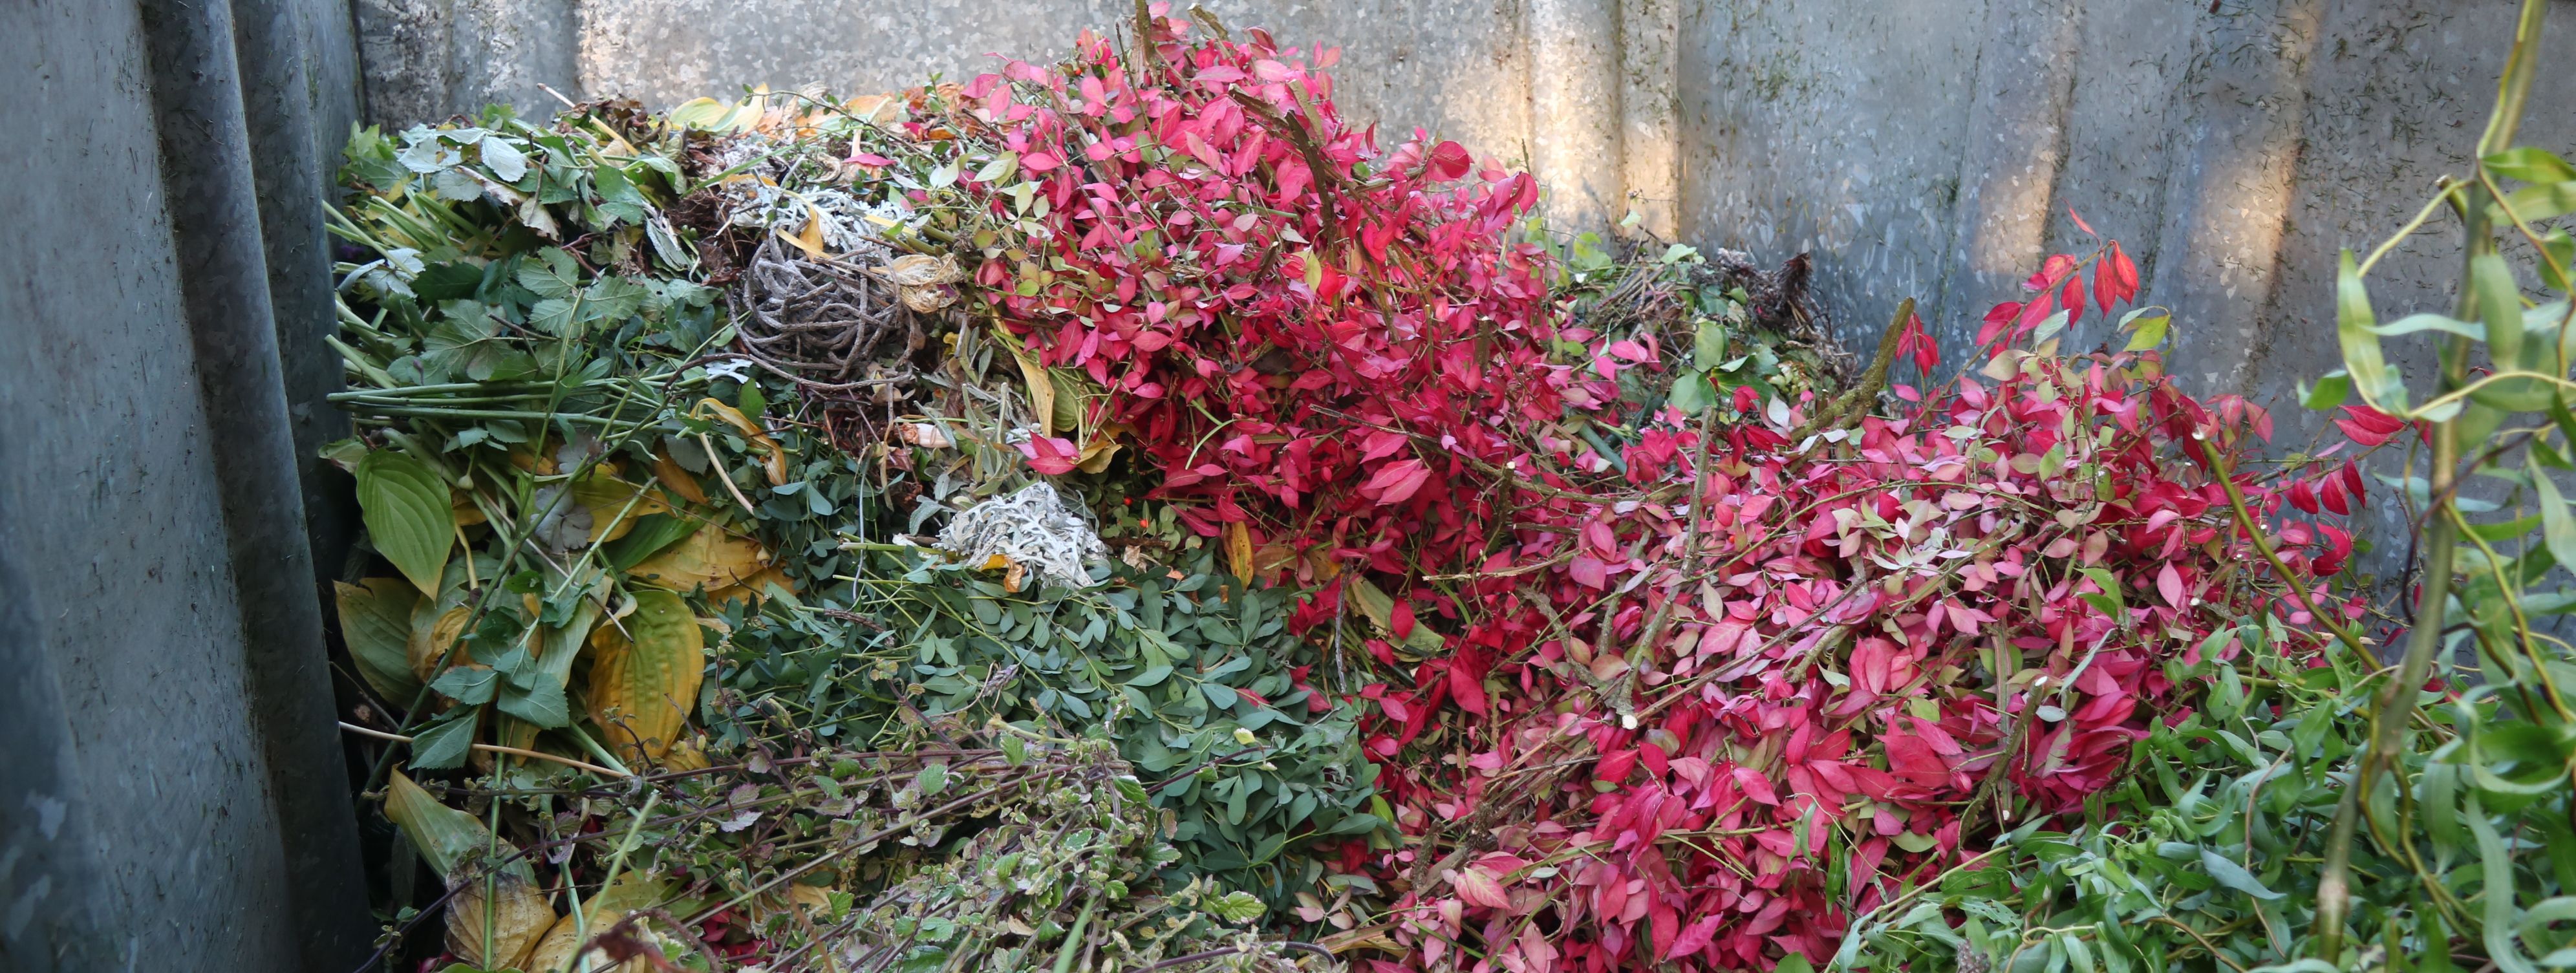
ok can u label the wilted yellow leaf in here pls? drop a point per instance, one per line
(756, 588)
(432, 632)
(605, 495)
(676, 479)
(516, 910)
(462, 506)
(1041, 388)
(810, 239)
(446, 837)
(709, 557)
(644, 680)
(686, 755)
(1096, 455)
(775, 459)
(632, 891)
(1238, 550)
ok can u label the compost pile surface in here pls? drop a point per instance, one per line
(1115, 514)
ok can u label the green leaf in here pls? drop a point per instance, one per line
(1236, 906)
(2422, 322)
(999, 169)
(1708, 343)
(1152, 676)
(2499, 307)
(2329, 391)
(933, 779)
(542, 704)
(2507, 530)
(651, 534)
(553, 274)
(2536, 203)
(2554, 272)
(2234, 876)
(2529, 163)
(2361, 355)
(471, 685)
(1691, 392)
(1221, 696)
(447, 281)
(2558, 527)
(2052, 325)
(444, 743)
(375, 623)
(2145, 330)
(1356, 824)
(2497, 868)
(408, 515)
(505, 160)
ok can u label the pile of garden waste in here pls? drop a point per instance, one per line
(1116, 515)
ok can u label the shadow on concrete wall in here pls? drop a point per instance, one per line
(171, 792)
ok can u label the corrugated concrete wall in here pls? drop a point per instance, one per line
(171, 796)
(1925, 149)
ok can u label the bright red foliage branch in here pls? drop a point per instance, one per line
(1703, 713)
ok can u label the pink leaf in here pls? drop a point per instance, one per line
(1479, 889)
(1051, 455)
(2169, 584)
(1395, 482)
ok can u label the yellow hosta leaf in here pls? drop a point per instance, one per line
(774, 459)
(508, 911)
(676, 479)
(1041, 387)
(432, 631)
(462, 506)
(1238, 550)
(756, 588)
(687, 754)
(449, 839)
(709, 557)
(605, 495)
(631, 892)
(1096, 456)
(644, 680)
(876, 109)
(810, 239)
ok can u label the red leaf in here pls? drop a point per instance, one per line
(2079, 221)
(1464, 688)
(1401, 619)
(1656, 763)
(2303, 496)
(1396, 482)
(2169, 584)
(2333, 495)
(1051, 455)
(1695, 937)
(2125, 271)
(1615, 767)
(1448, 163)
(2072, 297)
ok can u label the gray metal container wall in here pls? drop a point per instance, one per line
(172, 795)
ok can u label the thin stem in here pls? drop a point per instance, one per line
(493, 748)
